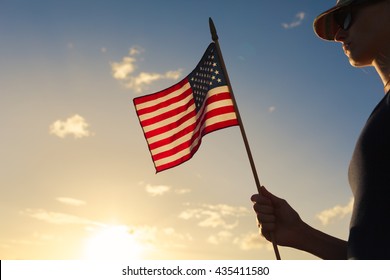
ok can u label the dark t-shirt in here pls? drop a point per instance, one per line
(369, 177)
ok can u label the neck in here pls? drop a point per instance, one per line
(383, 69)
(382, 60)
(387, 86)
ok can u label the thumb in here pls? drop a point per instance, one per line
(276, 201)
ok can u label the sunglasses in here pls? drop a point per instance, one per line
(344, 17)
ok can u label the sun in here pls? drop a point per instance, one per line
(114, 242)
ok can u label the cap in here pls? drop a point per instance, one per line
(325, 25)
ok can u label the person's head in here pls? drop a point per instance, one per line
(362, 26)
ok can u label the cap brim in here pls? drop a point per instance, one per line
(325, 25)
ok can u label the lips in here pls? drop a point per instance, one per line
(346, 46)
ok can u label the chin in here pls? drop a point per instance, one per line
(359, 63)
(359, 59)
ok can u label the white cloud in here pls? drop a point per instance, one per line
(70, 201)
(252, 241)
(58, 218)
(145, 233)
(160, 238)
(220, 237)
(228, 210)
(136, 50)
(174, 75)
(144, 236)
(157, 190)
(338, 212)
(121, 70)
(220, 215)
(162, 189)
(215, 219)
(24, 242)
(75, 125)
(138, 82)
(299, 17)
(171, 232)
(182, 191)
(124, 71)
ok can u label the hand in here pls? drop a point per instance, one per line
(277, 216)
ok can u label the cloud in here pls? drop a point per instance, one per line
(70, 201)
(121, 70)
(227, 210)
(162, 189)
(182, 191)
(23, 242)
(271, 109)
(252, 241)
(46, 237)
(299, 17)
(124, 71)
(215, 219)
(145, 233)
(220, 237)
(157, 190)
(338, 212)
(220, 215)
(136, 50)
(75, 125)
(145, 236)
(58, 218)
(171, 232)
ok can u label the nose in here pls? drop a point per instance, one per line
(340, 35)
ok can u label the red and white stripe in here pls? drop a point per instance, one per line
(172, 127)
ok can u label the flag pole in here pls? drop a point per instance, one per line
(214, 37)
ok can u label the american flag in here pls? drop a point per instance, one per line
(175, 119)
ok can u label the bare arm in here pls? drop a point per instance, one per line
(277, 216)
(321, 244)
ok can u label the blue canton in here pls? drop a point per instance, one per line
(206, 76)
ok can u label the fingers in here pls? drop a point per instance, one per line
(260, 199)
(266, 225)
(266, 219)
(262, 205)
(265, 211)
(276, 201)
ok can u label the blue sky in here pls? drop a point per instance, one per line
(76, 173)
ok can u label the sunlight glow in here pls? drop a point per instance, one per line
(113, 243)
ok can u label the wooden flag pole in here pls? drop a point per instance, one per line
(214, 37)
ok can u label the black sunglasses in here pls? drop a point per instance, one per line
(345, 15)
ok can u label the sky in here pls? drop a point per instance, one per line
(76, 177)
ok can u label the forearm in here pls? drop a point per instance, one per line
(277, 216)
(321, 244)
